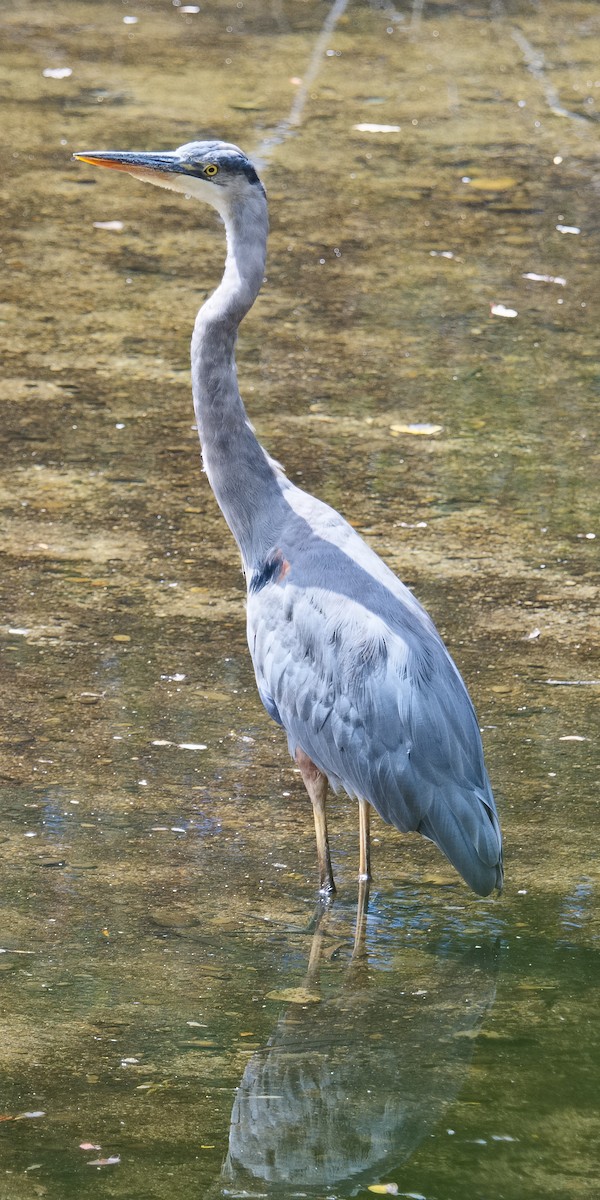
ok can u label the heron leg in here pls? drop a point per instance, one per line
(364, 826)
(315, 783)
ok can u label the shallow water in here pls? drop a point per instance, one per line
(170, 997)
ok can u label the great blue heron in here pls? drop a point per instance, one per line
(346, 659)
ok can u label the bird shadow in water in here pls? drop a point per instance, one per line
(350, 1084)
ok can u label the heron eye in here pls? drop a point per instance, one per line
(211, 169)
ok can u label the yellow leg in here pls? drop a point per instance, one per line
(315, 783)
(364, 868)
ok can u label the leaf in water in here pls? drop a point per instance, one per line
(297, 995)
(198, 1044)
(249, 106)
(486, 183)
(417, 429)
(384, 1189)
(105, 1162)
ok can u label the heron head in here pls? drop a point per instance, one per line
(216, 172)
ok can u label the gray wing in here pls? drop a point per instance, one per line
(359, 678)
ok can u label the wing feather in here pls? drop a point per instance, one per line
(363, 684)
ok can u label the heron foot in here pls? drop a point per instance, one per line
(327, 890)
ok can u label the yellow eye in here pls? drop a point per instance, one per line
(211, 169)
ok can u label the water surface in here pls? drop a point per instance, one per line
(168, 993)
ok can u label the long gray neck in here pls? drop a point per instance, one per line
(242, 478)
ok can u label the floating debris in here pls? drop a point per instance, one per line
(500, 310)
(572, 682)
(485, 183)
(299, 995)
(417, 429)
(369, 127)
(249, 106)
(559, 279)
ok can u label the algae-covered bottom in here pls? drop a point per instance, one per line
(177, 1019)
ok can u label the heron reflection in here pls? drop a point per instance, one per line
(350, 1084)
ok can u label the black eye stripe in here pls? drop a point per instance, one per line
(225, 169)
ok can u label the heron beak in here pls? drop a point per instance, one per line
(156, 168)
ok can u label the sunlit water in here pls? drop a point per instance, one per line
(172, 1006)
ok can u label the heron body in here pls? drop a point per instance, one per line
(346, 659)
